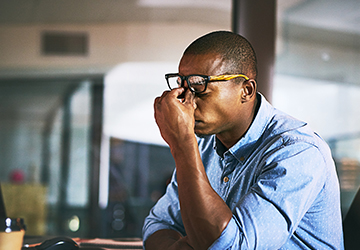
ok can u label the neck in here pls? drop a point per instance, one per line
(231, 138)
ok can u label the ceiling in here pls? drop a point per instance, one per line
(341, 15)
(108, 11)
(338, 18)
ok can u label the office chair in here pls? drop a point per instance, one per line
(2, 206)
(351, 225)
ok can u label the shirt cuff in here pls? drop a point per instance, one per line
(229, 238)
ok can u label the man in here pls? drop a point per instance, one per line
(247, 175)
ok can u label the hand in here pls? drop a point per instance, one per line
(174, 116)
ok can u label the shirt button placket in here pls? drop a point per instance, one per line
(226, 179)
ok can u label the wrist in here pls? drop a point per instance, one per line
(184, 146)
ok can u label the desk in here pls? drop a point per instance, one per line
(94, 244)
(111, 243)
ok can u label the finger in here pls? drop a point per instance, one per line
(178, 92)
(157, 100)
(189, 98)
(165, 93)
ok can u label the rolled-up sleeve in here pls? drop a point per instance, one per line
(166, 213)
(230, 237)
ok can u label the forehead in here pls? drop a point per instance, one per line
(203, 64)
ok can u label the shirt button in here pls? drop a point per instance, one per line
(242, 158)
(226, 179)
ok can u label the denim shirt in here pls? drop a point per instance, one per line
(279, 181)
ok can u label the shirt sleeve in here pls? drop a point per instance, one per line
(166, 212)
(288, 182)
(229, 238)
(267, 216)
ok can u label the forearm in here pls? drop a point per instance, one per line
(205, 215)
(167, 239)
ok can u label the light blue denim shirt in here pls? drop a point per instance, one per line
(279, 181)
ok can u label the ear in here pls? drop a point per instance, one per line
(248, 90)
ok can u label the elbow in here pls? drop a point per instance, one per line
(206, 237)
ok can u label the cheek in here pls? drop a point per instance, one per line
(222, 105)
(228, 100)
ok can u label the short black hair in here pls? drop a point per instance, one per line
(233, 48)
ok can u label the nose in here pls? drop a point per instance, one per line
(185, 84)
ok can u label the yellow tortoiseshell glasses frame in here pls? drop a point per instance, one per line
(197, 83)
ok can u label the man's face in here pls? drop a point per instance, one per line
(219, 107)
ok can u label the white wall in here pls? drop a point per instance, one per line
(110, 44)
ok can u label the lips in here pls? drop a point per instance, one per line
(198, 123)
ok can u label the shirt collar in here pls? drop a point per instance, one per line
(254, 132)
(256, 129)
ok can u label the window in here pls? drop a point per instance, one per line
(317, 78)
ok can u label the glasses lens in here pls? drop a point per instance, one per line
(174, 82)
(197, 83)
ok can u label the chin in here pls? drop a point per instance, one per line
(201, 133)
(200, 130)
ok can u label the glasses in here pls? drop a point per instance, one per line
(197, 83)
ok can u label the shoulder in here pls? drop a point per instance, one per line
(293, 146)
(293, 131)
(288, 135)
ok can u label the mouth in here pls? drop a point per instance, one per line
(198, 128)
(198, 125)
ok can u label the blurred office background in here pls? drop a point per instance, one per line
(80, 153)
